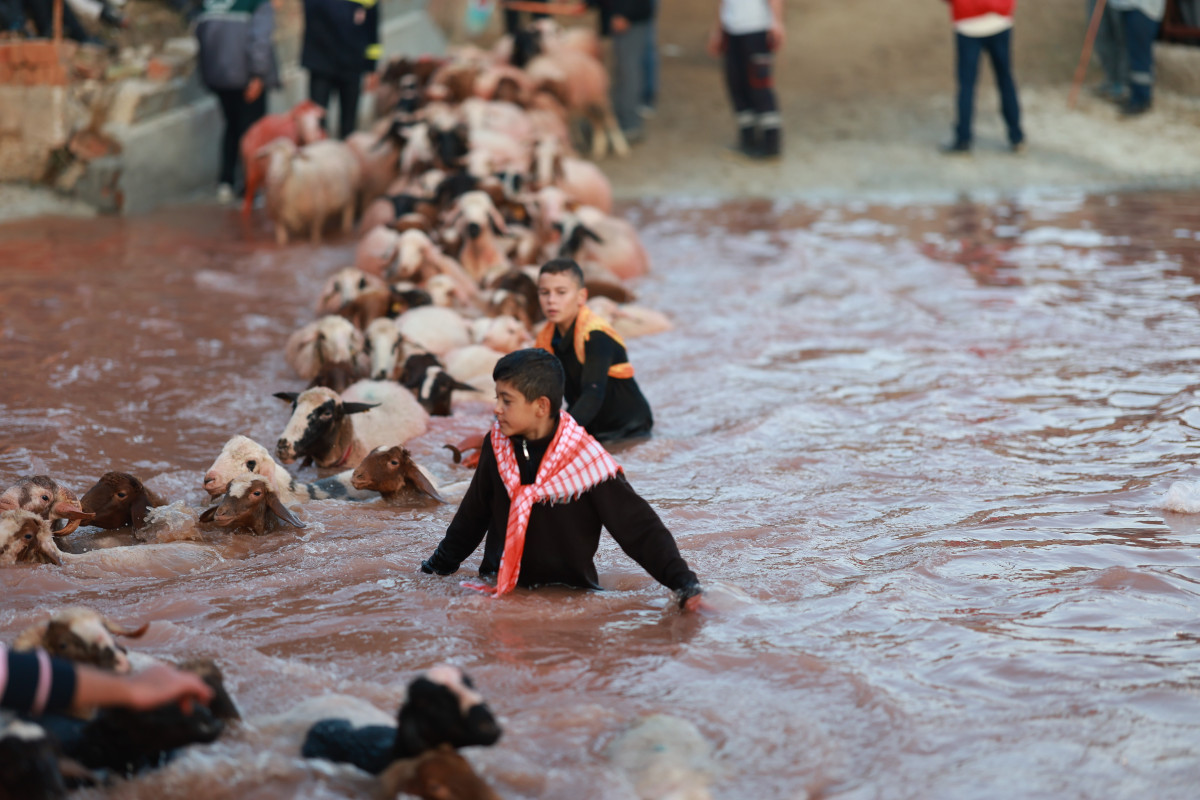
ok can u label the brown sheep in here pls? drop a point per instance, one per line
(25, 538)
(439, 774)
(392, 472)
(119, 499)
(251, 503)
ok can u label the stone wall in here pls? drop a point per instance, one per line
(131, 132)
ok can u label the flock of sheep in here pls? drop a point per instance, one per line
(467, 184)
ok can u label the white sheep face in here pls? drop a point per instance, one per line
(240, 454)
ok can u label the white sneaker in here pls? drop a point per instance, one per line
(224, 193)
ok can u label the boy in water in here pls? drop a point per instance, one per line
(600, 389)
(543, 489)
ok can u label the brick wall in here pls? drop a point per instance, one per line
(33, 62)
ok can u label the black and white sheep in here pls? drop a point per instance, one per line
(337, 431)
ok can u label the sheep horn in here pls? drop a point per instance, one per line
(133, 633)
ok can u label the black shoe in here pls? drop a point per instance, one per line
(1132, 109)
(955, 149)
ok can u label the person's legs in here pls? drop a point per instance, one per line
(737, 81)
(1140, 31)
(247, 115)
(231, 102)
(999, 49)
(649, 98)
(628, 51)
(1110, 50)
(967, 58)
(349, 90)
(761, 81)
(320, 88)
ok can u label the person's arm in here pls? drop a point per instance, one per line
(470, 522)
(644, 538)
(36, 683)
(716, 36)
(259, 54)
(599, 352)
(775, 35)
(374, 49)
(150, 688)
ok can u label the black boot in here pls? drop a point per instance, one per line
(770, 144)
(747, 141)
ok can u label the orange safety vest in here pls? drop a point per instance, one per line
(585, 323)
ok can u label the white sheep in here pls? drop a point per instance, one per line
(307, 186)
(385, 348)
(243, 454)
(503, 333)
(328, 341)
(473, 365)
(344, 286)
(434, 329)
(591, 236)
(337, 431)
(478, 223)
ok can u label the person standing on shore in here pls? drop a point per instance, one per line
(1111, 52)
(631, 24)
(984, 25)
(748, 33)
(237, 63)
(341, 42)
(1140, 20)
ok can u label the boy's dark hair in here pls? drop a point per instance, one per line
(534, 373)
(558, 266)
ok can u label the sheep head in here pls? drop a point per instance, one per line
(442, 707)
(25, 537)
(50, 500)
(240, 454)
(388, 470)
(435, 775)
(83, 635)
(118, 499)
(251, 503)
(319, 424)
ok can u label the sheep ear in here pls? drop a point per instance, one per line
(357, 408)
(137, 510)
(396, 777)
(210, 514)
(422, 481)
(288, 396)
(463, 387)
(590, 233)
(283, 512)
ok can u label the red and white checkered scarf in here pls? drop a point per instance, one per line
(574, 462)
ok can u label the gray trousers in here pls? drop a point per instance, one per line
(1110, 46)
(628, 68)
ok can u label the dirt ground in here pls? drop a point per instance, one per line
(866, 91)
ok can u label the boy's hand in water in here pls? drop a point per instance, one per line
(697, 603)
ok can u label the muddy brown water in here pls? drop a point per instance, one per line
(917, 452)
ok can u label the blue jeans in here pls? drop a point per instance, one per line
(1140, 31)
(999, 50)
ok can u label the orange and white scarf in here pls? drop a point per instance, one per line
(574, 462)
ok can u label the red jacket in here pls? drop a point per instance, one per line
(966, 9)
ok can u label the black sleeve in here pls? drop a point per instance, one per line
(599, 353)
(30, 677)
(471, 521)
(374, 49)
(643, 536)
